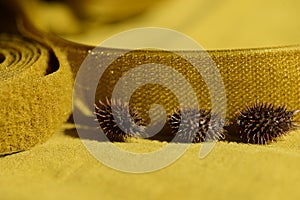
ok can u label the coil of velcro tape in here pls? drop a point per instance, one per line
(36, 88)
(35, 93)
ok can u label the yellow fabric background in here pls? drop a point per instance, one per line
(63, 169)
(215, 24)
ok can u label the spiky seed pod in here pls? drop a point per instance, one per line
(117, 125)
(196, 126)
(189, 125)
(215, 130)
(263, 123)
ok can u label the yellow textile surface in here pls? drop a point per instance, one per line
(63, 169)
